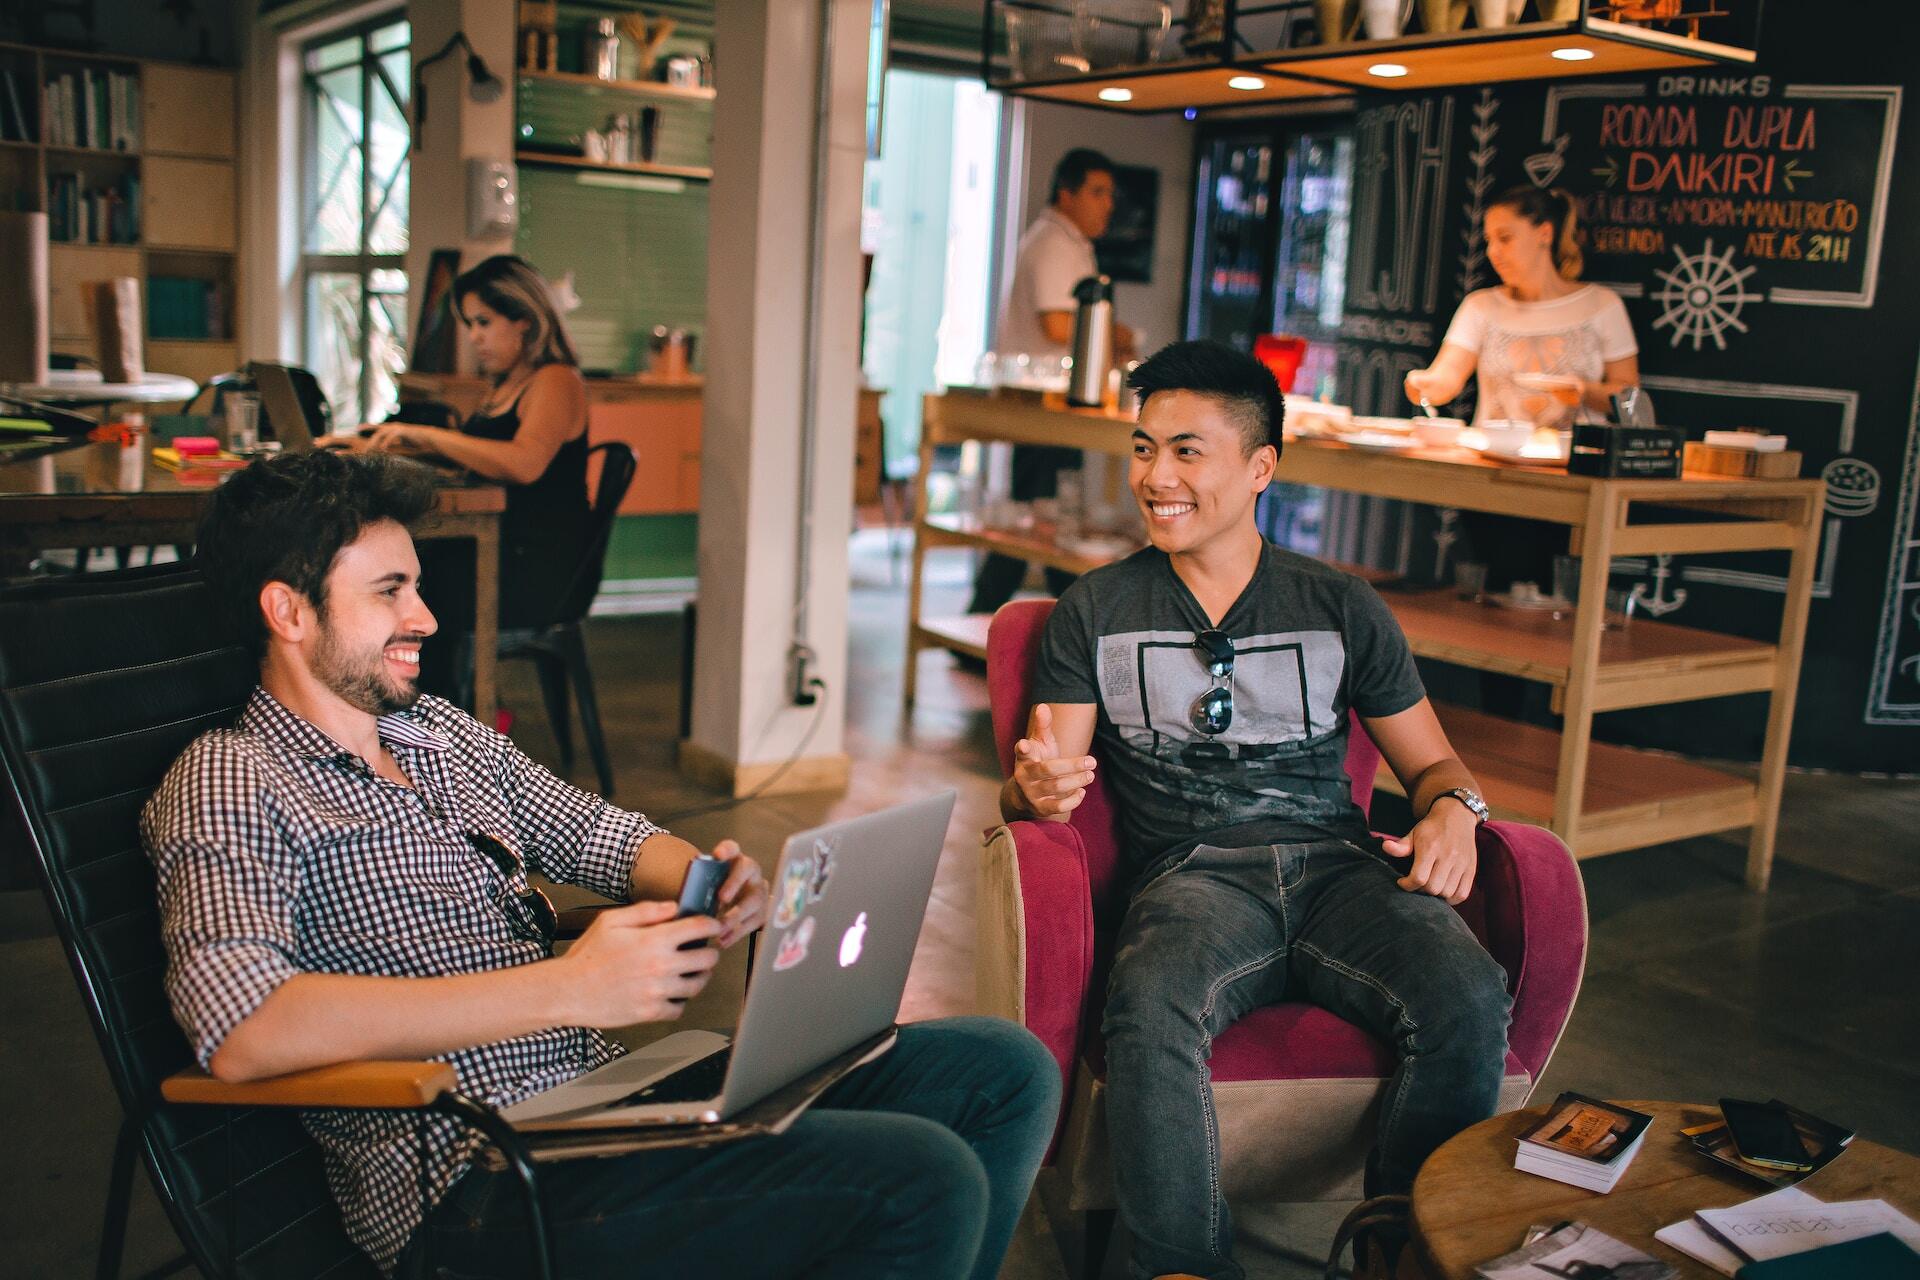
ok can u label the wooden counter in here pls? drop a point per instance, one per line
(1598, 798)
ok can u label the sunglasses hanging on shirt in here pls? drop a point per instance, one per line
(1212, 711)
(535, 920)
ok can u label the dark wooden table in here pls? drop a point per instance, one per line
(93, 495)
(1470, 1204)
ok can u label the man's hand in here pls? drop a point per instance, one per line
(1443, 851)
(1049, 786)
(743, 898)
(628, 967)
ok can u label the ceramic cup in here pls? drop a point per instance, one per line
(1442, 16)
(1497, 13)
(1385, 19)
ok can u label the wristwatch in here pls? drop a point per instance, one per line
(1467, 798)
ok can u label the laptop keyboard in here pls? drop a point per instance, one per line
(698, 1081)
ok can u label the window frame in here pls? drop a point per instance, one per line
(364, 263)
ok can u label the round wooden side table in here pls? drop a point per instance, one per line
(1470, 1204)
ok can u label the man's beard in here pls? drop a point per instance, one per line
(362, 680)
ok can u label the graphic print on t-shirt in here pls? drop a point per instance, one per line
(1572, 351)
(1285, 686)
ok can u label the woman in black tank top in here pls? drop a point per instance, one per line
(530, 433)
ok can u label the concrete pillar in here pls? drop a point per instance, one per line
(457, 129)
(758, 302)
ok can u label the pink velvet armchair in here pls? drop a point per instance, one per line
(1295, 1087)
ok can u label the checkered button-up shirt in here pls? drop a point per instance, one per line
(280, 852)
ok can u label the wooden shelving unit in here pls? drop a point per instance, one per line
(1599, 798)
(548, 159)
(1582, 47)
(636, 88)
(187, 210)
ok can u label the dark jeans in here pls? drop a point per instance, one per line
(915, 1166)
(1224, 931)
(1036, 472)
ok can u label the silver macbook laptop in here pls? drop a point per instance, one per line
(848, 900)
(288, 419)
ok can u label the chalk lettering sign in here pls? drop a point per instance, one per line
(1711, 192)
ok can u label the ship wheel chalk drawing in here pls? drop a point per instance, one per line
(1703, 296)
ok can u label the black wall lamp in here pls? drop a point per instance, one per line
(482, 85)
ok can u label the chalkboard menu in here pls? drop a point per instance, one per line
(1750, 219)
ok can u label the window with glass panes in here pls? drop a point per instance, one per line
(354, 228)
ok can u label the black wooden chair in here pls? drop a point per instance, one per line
(103, 681)
(559, 650)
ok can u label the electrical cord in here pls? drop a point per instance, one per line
(818, 687)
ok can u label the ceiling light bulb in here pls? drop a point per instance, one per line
(1116, 95)
(1387, 70)
(1246, 82)
(1573, 55)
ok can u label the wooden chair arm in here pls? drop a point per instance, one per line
(397, 1085)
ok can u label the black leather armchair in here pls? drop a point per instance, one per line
(103, 681)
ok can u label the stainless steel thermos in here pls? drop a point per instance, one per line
(1092, 341)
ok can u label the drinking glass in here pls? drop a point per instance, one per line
(1620, 604)
(243, 422)
(1470, 579)
(1566, 579)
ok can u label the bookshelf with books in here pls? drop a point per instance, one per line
(134, 163)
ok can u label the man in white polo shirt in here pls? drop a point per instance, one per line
(1036, 320)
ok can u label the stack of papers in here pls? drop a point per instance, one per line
(1583, 1142)
(1575, 1250)
(1781, 1224)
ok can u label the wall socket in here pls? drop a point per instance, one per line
(803, 686)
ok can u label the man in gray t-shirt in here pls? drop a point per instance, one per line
(1218, 675)
(1310, 643)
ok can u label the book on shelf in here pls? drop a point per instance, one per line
(186, 308)
(1575, 1249)
(13, 117)
(98, 215)
(96, 109)
(1583, 1141)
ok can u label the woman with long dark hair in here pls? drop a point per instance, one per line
(1540, 320)
(530, 433)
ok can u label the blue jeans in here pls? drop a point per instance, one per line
(1224, 931)
(916, 1165)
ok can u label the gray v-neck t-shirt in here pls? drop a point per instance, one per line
(1310, 643)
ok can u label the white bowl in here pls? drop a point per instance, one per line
(1438, 433)
(1506, 435)
(1363, 423)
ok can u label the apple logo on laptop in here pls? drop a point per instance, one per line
(852, 940)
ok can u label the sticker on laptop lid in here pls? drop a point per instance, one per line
(822, 863)
(792, 901)
(793, 947)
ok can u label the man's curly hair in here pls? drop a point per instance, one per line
(285, 519)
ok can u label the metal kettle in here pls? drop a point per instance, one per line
(1092, 341)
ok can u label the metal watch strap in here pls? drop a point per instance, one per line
(1475, 805)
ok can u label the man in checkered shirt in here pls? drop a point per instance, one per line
(342, 876)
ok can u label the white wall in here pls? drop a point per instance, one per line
(1163, 142)
(456, 129)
